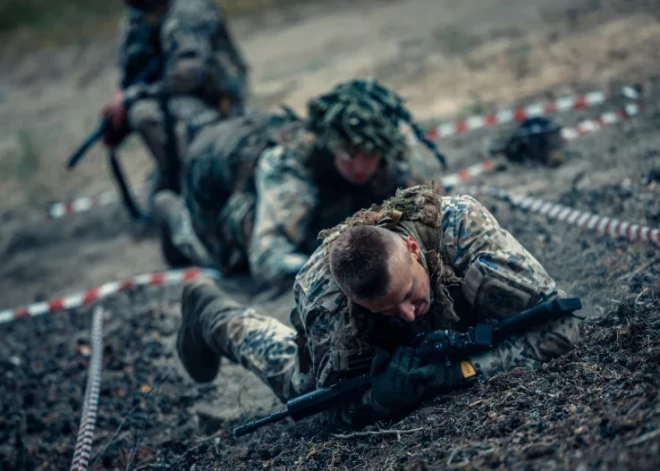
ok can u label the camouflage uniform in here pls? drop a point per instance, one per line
(200, 71)
(487, 274)
(260, 187)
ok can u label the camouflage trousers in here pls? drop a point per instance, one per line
(146, 118)
(257, 342)
(207, 239)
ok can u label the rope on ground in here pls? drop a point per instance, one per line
(593, 222)
(108, 289)
(91, 401)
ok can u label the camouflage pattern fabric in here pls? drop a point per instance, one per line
(498, 278)
(202, 74)
(363, 116)
(296, 201)
(257, 342)
(146, 118)
(199, 57)
(260, 188)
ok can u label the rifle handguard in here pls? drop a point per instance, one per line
(312, 403)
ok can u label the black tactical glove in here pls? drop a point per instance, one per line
(392, 389)
(443, 377)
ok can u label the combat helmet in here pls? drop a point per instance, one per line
(537, 138)
(364, 116)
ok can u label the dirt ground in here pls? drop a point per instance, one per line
(597, 408)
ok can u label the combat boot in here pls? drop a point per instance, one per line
(197, 356)
(179, 241)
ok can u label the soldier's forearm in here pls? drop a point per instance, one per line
(142, 91)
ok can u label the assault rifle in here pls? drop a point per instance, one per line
(433, 346)
(151, 70)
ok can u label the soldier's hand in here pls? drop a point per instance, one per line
(115, 112)
(392, 388)
(442, 377)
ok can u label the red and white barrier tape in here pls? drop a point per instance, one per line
(79, 205)
(59, 210)
(585, 220)
(108, 289)
(515, 115)
(568, 134)
(450, 181)
(91, 400)
(592, 125)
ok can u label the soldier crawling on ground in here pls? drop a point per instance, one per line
(416, 264)
(200, 78)
(259, 188)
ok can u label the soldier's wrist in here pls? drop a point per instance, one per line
(129, 98)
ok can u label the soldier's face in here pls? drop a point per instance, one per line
(409, 292)
(357, 168)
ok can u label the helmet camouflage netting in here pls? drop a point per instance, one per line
(363, 115)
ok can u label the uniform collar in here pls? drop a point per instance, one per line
(394, 224)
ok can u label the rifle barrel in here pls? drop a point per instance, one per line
(537, 315)
(89, 142)
(255, 424)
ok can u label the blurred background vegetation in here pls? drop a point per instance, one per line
(48, 22)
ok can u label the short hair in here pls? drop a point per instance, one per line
(360, 259)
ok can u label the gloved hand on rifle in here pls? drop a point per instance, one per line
(438, 374)
(401, 383)
(392, 388)
(115, 114)
(443, 377)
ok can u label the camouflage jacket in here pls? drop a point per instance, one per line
(494, 277)
(196, 52)
(301, 193)
(274, 166)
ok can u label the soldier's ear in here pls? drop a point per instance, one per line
(412, 246)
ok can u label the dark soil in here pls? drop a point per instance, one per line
(596, 408)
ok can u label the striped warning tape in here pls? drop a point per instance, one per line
(592, 125)
(604, 225)
(85, 203)
(103, 291)
(450, 181)
(79, 205)
(91, 401)
(568, 134)
(516, 114)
